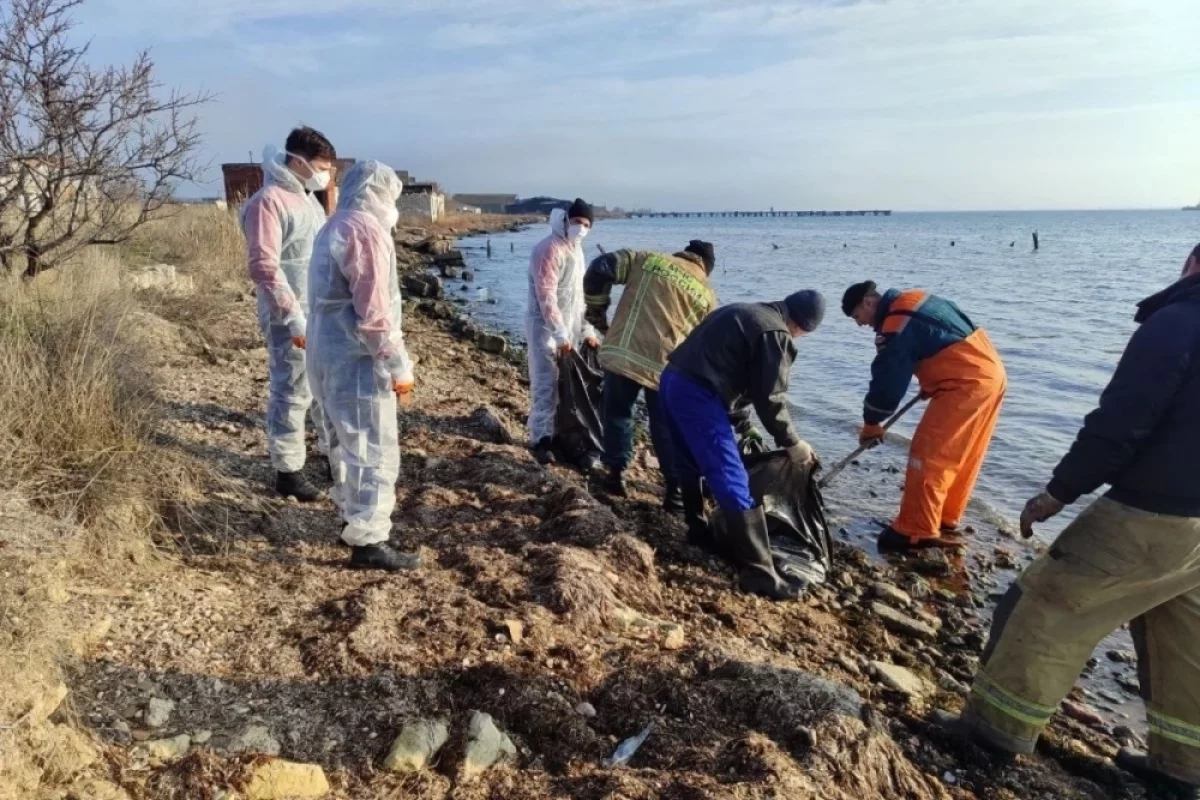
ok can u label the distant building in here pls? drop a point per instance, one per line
(487, 203)
(422, 201)
(243, 179)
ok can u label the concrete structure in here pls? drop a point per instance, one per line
(488, 203)
(874, 212)
(422, 200)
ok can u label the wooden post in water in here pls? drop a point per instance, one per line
(489, 249)
(1035, 240)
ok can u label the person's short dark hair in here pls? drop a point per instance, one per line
(854, 295)
(1196, 252)
(309, 143)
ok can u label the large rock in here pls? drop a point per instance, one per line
(450, 258)
(165, 751)
(491, 343)
(257, 739)
(421, 285)
(280, 780)
(417, 745)
(903, 624)
(891, 594)
(158, 712)
(487, 745)
(902, 680)
(163, 278)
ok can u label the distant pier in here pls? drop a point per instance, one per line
(874, 212)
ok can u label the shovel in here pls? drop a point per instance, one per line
(845, 462)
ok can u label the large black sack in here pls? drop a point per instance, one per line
(578, 424)
(801, 545)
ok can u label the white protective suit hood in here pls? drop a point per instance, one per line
(373, 187)
(276, 172)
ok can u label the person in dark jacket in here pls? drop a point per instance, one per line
(1133, 556)
(739, 357)
(917, 333)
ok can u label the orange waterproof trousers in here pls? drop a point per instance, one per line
(965, 383)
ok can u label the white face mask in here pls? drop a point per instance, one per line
(576, 233)
(317, 181)
(391, 217)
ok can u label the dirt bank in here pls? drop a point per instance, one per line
(574, 622)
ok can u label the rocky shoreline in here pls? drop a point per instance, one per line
(556, 643)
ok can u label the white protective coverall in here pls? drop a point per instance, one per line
(281, 222)
(553, 317)
(356, 348)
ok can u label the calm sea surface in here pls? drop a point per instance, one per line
(1059, 316)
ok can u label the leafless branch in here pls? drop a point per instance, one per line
(87, 154)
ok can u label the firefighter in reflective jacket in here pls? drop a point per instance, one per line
(961, 374)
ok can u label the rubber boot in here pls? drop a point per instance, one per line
(673, 498)
(1137, 763)
(962, 730)
(750, 547)
(293, 484)
(382, 557)
(614, 483)
(892, 541)
(543, 451)
(699, 533)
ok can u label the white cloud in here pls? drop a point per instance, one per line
(932, 103)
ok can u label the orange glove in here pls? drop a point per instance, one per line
(403, 390)
(592, 342)
(300, 341)
(871, 435)
(565, 349)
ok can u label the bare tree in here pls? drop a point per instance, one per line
(87, 154)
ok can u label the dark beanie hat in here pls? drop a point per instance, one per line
(854, 295)
(581, 209)
(806, 308)
(705, 250)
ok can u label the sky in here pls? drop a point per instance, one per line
(704, 104)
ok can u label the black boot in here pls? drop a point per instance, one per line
(892, 541)
(543, 451)
(960, 729)
(750, 547)
(1137, 763)
(293, 484)
(699, 533)
(673, 498)
(614, 483)
(382, 557)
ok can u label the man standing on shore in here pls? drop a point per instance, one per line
(554, 317)
(359, 363)
(280, 222)
(960, 373)
(739, 356)
(665, 298)
(1132, 556)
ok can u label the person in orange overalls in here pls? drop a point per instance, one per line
(960, 372)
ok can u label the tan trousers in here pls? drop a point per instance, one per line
(1112, 565)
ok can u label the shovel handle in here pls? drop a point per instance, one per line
(845, 462)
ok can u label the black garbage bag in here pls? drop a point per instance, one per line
(801, 545)
(580, 428)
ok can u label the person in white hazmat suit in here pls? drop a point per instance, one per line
(281, 222)
(554, 317)
(357, 360)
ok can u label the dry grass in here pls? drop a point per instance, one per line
(82, 488)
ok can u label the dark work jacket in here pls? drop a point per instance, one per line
(1144, 439)
(743, 353)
